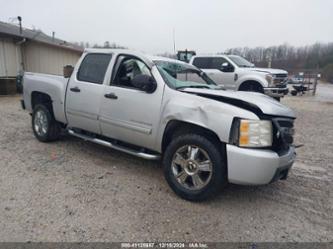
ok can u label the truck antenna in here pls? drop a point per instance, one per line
(174, 40)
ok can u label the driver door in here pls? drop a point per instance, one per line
(127, 113)
(224, 78)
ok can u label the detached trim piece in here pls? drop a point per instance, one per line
(116, 147)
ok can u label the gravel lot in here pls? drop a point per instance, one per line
(72, 190)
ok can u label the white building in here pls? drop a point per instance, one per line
(32, 51)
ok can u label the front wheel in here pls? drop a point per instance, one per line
(44, 126)
(251, 87)
(195, 167)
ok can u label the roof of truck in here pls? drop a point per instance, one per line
(149, 58)
(114, 50)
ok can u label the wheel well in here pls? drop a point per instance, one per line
(251, 84)
(41, 98)
(175, 128)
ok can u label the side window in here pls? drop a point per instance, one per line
(202, 62)
(126, 69)
(217, 62)
(209, 62)
(93, 68)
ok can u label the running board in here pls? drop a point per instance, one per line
(116, 147)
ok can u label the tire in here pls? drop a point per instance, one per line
(50, 130)
(207, 148)
(277, 98)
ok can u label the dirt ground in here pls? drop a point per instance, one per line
(73, 190)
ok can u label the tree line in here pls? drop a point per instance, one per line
(106, 44)
(317, 57)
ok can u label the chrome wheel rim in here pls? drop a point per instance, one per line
(192, 167)
(40, 123)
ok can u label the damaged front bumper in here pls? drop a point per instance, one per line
(257, 166)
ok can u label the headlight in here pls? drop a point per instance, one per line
(254, 133)
(269, 78)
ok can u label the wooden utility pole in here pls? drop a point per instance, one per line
(316, 81)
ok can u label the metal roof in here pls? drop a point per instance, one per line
(36, 35)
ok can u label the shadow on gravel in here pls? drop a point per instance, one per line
(140, 167)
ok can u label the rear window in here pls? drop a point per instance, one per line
(93, 68)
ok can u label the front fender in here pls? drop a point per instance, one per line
(251, 77)
(210, 114)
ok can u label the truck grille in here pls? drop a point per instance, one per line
(280, 78)
(281, 75)
(283, 133)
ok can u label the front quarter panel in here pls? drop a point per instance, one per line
(207, 113)
(250, 76)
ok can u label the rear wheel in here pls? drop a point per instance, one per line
(44, 126)
(195, 167)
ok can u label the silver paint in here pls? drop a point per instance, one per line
(141, 118)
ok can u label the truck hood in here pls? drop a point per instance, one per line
(269, 70)
(256, 102)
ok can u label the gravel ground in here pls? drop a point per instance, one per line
(72, 190)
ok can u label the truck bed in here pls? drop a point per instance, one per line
(53, 85)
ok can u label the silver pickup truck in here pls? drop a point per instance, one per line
(155, 107)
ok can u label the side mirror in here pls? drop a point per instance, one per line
(226, 67)
(145, 83)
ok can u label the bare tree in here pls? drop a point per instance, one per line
(288, 57)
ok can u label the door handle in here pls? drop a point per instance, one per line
(111, 96)
(75, 89)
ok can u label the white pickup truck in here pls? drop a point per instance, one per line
(155, 107)
(236, 73)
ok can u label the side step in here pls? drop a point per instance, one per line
(116, 147)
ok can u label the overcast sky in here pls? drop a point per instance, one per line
(207, 26)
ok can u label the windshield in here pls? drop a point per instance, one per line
(181, 75)
(240, 61)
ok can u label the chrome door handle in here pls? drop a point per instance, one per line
(75, 89)
(111, 96)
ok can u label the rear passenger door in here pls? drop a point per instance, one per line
(85, 91)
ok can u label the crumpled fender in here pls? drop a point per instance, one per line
(207, 113)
